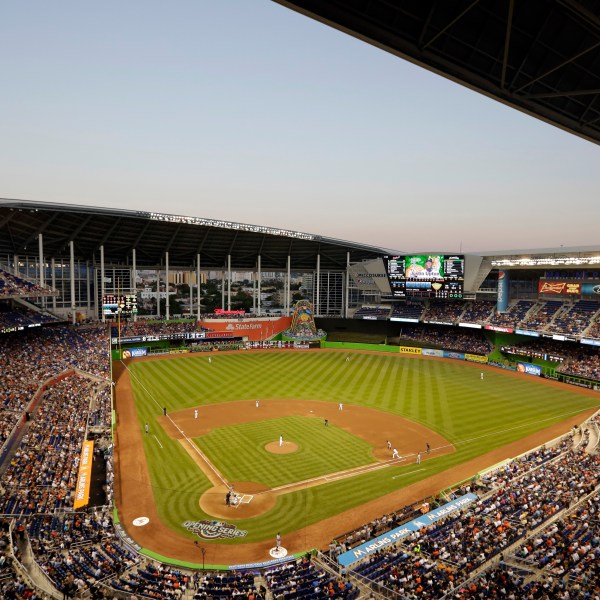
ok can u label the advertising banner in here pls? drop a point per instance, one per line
(496, 328)
(432, 352)
(503, 290)
(410, 350)
(470, 325)
(559, 287)
(590, 342)
(590, 289)
(252, 329)
(135, 352)
(476, 358)
(84, 477)
(398, 534)
(529, 369)
(526, 332)
(455, 355)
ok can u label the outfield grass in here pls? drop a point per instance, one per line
(446, 396)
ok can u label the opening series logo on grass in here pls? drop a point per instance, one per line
(212, 530)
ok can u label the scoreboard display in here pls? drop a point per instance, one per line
(123, 304)
(438, 276)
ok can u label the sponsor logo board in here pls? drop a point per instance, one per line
(529, 369)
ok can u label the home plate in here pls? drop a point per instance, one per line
(141, 521)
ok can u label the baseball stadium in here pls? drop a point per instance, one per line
(195, 408)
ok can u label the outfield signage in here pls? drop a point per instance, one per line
(135, 352)
(410, 350)
(404, 320)
(432, 352)
(590, 342)
(398, 534)
(476, 358)
(455, 355)
(470, 325)
(529, 369)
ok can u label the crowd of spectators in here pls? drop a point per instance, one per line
(444, 312)
(409, 310)
(582, 362)
(543, 316)
(470, 341)
(442, 557)
(576, 320)
(14, 285)
(514, 315)
(376, 313)
(149, 328)
(478, 311)
(303, 579)
(13, 317)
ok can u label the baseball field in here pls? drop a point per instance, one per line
(300, 441)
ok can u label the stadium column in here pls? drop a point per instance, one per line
(347, 291)
(133, 283)
(258, 278)
(288, 294)
(190, 279)
(167, 313)
(72, 277)
(253, 292)
(223, 289)
(101, 280)
(158, 292)
(41, 267)
(53, 280)
(317, 286)
(229, 282)
(87, 284)
(16, 264)
(198, 282)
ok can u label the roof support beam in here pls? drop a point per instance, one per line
(450, 24)
(511, 7)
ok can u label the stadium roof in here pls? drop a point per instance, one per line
(540, 56)
(153, 234)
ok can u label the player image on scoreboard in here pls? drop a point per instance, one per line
(428, 267)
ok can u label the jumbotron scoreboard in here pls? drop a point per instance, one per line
(119, 304)
(423, 276)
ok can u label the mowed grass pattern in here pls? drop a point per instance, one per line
(447, 396)
(239, 451)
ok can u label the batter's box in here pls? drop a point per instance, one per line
(244, 499)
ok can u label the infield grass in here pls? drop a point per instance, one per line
(447, 396)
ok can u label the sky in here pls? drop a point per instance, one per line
(247, 111)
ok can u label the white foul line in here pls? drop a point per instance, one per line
(409, 473)
(158, 441)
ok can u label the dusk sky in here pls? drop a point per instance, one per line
(244, 110)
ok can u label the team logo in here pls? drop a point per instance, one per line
(596, 289)
(212, 530)
(126, 354)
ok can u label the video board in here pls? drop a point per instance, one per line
(124, 304)
(426, 276)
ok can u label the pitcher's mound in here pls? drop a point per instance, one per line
(286, 448)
